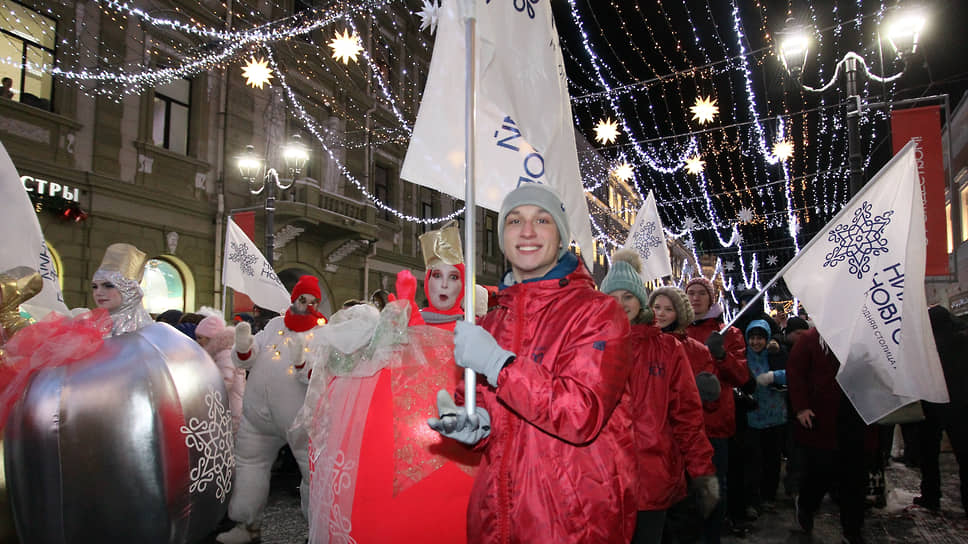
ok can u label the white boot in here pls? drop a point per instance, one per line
(240, 534)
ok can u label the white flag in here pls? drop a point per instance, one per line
(24, 243)
(525, 132)
(862, 280)
(246, 270)
(647, 238)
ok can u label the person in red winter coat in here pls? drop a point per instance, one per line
(670, 439)
(552, 359)
(832, 433)
(673, 314)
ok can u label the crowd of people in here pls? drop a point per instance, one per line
(601, 414)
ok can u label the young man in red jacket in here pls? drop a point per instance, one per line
(558, 461)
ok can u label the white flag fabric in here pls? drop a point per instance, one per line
(647, 238)
(862, 280)
(24, 243)
(246, 270)
(525, 132)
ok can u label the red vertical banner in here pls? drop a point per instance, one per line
(923, 125)
(246, 221)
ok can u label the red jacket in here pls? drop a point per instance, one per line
(668, 419)
(731, 371)
(559, 464)
(812, 383)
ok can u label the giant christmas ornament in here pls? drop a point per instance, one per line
(131, 443)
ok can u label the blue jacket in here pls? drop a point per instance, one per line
(771, 410)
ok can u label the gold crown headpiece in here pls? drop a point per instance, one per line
(126, 259)
(442, 246)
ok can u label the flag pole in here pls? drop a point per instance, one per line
(469, 15)
(857, 198)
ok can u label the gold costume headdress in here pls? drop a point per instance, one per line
(442, 246)
(126, 259)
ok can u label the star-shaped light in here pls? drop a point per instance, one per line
(257, 72)
(429, 15)
(606, 132)
(689, 223)
(695, 165)
(772, 260)
(729, 266)
(624, 171)
(345, 47)
(745, 215)
(783, 150)
(704, 110)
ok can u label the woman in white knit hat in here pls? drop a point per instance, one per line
(669, 437)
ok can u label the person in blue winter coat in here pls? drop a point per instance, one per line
(767, 422)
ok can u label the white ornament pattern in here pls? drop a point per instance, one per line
(213, 439)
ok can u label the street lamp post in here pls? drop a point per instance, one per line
(903, 33)
(252, 167)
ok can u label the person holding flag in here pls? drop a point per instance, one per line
(558, 447)
(278, 374)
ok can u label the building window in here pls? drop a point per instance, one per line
(381, 188)
(489, 234)
(964, 211)
(951, 232)
(164, 287)
(170, 126)
(28, 39)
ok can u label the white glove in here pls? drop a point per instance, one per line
(765, 378)
(243, 338)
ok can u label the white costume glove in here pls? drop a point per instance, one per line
(243, 338)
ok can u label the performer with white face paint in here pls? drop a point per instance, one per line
(444, 281)
(279, 371)
(116, 288)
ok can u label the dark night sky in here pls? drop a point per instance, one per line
(642, 40)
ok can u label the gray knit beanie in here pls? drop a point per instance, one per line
(624, 274)
(684, 313)
(542, 196)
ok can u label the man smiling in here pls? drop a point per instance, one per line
(558, 462)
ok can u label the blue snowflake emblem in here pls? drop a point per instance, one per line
(644, 239)
(240, 254)
(860, 240)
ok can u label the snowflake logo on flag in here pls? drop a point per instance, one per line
(240, 254)
(645, 239)
(212, 440)
(860, 240)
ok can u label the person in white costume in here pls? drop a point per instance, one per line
(279, 372)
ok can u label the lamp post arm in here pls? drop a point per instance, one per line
(272, 180)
